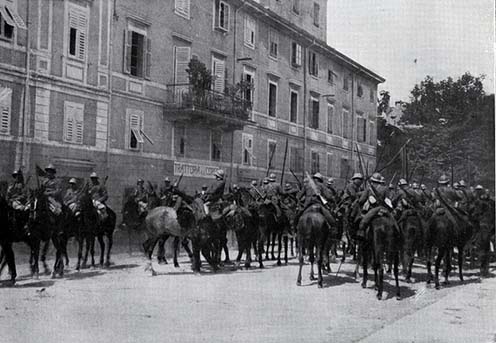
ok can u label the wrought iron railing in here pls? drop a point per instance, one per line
(186, 96)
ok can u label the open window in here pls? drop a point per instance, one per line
(137, 52)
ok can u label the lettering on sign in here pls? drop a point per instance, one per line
(194, 170)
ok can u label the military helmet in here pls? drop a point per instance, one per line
(383, 180)
(357, 176)
(166, 179)
(479, 188)
(376, 177)
(456, 185)
(272, 177)
(443, 180)
(330, 181)
(93, 176)
(415, 185)
(287, 187)
(235, 186)
(462, 183)
(72, 181)
(254, 183)
(423, 187)
(15, 172)
(402, 182)
(318, 176)
(266, 180)
(51, 168)
(391, 186)
(140, 181)
(219, 174)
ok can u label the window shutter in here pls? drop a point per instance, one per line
(247, 31)
(5, 108)
(182, 58)
(127, 52)
(79, 124)
(69, 127)
(219, 73)
(79, 21)
(148, 58)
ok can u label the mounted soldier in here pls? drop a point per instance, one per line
(52, 190)
(166, 193)
(254, 192)
(373, 201)
(203, 193)
(99, 195)
(332, 190)
(315, 192)
(16, 192)
(71, 197)
(449, 196)
(350, 197)
(140, 197)
(406, 199)
(272, 193)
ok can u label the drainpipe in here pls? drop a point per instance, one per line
(305, 104)
(235, 29)
(22, 159)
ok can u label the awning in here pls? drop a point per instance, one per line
(137, 135)
(11, 17)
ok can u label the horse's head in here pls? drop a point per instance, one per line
(130, 213)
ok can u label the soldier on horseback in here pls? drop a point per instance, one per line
(332, 190)
(406, 199)
(254, 192)
(166, 193)
(99, 195)
(140, 197)
(71, 197)
(272, 193)
(316, 193)
(203, 193)
(16, 192)
(52, 190)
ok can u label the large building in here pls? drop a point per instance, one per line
(107, 90)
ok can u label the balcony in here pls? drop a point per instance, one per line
(211, 107)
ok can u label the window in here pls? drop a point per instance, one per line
(316, 14)
(5, 110)
(373, 134)
(361, 128)
(293, 112)
(182, 8)
(247, 149)
(329, 165)
(248, 95)
(359, 90)
(313, 65)
(330, 77)
(135, 125)
(314, 119)
(274, 43)
(222, 12)
(181, 60)
(345, 83)
(180, 140)
(137, 51)
(216, 140)
(315, 162)
(344, 171)
(372, 96)
(330, 118)
(296, 159)
(219, 74)
(73, 122)
(296, 6)
(271, 154)
(78, 27)
(345, 122)
(296, 54)
(6, 24)
(272, 99)
(250, 29)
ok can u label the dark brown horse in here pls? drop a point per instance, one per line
(412, 234)
(383, 239)
(244, 224)
(312, 233)
(271, 229)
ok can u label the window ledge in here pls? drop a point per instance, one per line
(182, 14)
(250, 46)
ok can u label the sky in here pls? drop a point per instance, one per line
(405, 40)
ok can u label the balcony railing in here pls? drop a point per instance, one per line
(185, 96)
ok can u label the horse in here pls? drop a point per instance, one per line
(312, 232)
(383, 240)
(412, 231)
(485, 214)
(271, 227)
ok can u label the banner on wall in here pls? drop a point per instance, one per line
(194, 170)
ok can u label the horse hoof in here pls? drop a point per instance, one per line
(279, 263)
(364, 285)
(438, 287)
(408, 280)
(107, 264)
(312, 278)
(379, 296)
(48, 272)
(54, 276)
(298, 283)
(247, 266)
(273, 258)
(398, 297)
(176, 265)
(429, 282)
(261, 266)
(321, 285)
(154, 273)
(162, 262)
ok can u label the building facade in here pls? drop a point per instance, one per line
(107, 90)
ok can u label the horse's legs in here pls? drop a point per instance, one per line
(161, 251)
(176, 250)
(428, 256)
(3, 261)
(148, 246)
(80, 240)
(440, 255)
(225, 247)
(364, 257)
(448, 258)
(380, 284)
(343, 258)
(286, 249)
(261, 242)
(196, 258)
(279, 248)
(300, 262)
(110, 238)
(102, 249)
(184, 243)
(460, 262)
(248, 254)
(44, 253)
(396, 262)
(267, 236)
(10, 257)
(87, 238)
(241, 246)
(92, 249)
(319, 267)
(275, 235)
(311, 258)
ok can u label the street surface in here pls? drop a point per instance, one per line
(125, 304)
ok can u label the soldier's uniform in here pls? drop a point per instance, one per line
(166, 193)
(254, 192)
(71, 197)
(407, 199)
(203, 193)
(52, 190)
(450, 196)
(272, 193)
(99, 195)
(332, 190)
(16, 193)
(311, 197)
(140, 197)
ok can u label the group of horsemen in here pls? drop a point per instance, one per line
(361, 200)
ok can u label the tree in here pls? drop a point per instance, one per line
(200, 78)
(455, 129)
